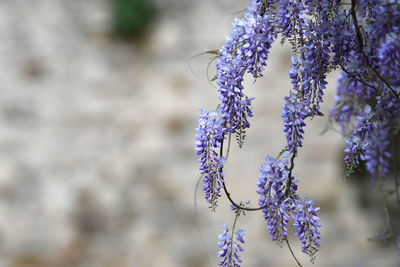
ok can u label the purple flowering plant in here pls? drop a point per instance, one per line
(358, 37)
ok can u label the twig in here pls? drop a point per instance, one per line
(291, 251)
(228, 195)
(359, 80)
(233, 231)
(289, 181)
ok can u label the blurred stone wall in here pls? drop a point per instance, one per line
(97, 161)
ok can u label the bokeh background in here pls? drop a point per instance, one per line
(98, 108)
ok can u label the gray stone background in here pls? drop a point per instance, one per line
(97, 161)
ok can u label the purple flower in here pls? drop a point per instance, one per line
(230, 71)
(367, 6)
(208, 140)
(314, 68)
(343, 39)
(238, 211)
(246, 49)
(389, 58)
(276, 203)
(358, 142)
(273, 173)
(277, 217)
(230, 249)
(291, 18)
(293, 114)
(306, 225)
(388, 106)
(377, 155)
(259, 34)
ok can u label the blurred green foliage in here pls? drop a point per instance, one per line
(131, 18)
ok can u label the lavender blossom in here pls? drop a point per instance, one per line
(358, 142)
(237, 210)
(293, 115)
(246, 49)
(291, 18)
(306, 225)
(276, 203)
(343, 39)
(273, 173)
(388, 106)
(376, 156)
(367, 6)
(230, 249)
(314, 68)
(230, 71)
(257, 40)
(277, 217)
(208, 140)
(389, 59)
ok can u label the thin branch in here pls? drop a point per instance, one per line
(233, 231)
(359, 80)
(289, 181)
(207, 71)
(291, 251)
(228, 195)
(212, 52)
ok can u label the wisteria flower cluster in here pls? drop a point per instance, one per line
(230, 247)
(279, 202)
(359, 38)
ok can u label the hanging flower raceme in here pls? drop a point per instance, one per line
(306, 225)
(259, 35)
(246, 49)
(377, 155)
(314, 69)
(291, 16)
(293, 114)
(388, 107)
(279, 204)
(208, 141)
(272, 193)
(358, 142)
(343, 40)
(389, 59)
(275, 200)
(230, 248)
